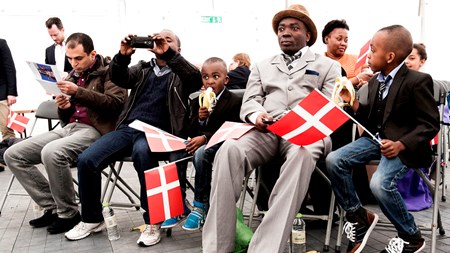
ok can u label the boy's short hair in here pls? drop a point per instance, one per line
(400, 41)
(54, 21)
(214, 60)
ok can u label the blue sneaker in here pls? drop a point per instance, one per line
(197, 217)
(172, 222)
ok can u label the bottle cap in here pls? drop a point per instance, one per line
(299, 216)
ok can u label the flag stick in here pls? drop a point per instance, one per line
(354, 120)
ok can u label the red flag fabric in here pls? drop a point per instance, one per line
(163, 193)
(229, 130)
(435, 140)
(17, 122)
(362, 58)
(159, 140)
(314, 118)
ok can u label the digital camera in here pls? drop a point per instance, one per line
(141, 42)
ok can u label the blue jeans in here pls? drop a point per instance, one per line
(202, 161)
(383, 184)
(112, 146)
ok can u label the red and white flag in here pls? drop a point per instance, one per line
(362, 58)
(159, 140)
(17, 122)
(314, 118)
(229, 130)
(163, 193)
(435, 140)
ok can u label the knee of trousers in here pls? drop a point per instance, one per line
(378, 186)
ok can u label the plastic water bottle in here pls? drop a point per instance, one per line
(298, 235)
(110, 222)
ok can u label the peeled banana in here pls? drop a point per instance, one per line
(207, 99)
(342, 83)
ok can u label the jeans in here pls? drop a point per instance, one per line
(56, 150)
(112, 146)
(202, 161)
(383, 184)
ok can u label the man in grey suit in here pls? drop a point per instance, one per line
(275, 85)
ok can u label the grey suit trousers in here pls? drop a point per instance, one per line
(232, 162)
(56, 150)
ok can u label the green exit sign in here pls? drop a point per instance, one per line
(211, 19)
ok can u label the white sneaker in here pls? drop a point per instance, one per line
(150, 236)
(83, 230)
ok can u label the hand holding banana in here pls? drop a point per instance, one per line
(342, 83)
(207, 99)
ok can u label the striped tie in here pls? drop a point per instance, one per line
(383, 87)
(290, 58)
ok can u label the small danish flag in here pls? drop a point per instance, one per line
(159, 140)
(17, 122)
(163, 193)
(314, 118)
(229, 130)
(362, 58)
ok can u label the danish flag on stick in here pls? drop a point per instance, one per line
(229, 130)
(363, 55)
(314, 118)
(163, 193)
(17, 122)
(159, 140)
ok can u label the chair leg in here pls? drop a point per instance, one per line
(255, 198)
(8, 188)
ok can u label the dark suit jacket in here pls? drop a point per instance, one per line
(8, 82)
(50, 58)
(411, 115)
(238, 78)
(226, 109)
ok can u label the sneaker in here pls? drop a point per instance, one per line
(64, 224)
(150, 236)
(83, 230)
(45, 220)
(358, 228)
(197, 217)
(172, 222)
(398, 245)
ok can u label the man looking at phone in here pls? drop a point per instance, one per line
(159, 95)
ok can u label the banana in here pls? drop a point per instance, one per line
(207, 99)
(342, 83)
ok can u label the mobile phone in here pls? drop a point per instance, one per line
(268, 121)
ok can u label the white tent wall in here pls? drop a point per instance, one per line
(245, 27)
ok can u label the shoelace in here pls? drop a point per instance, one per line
(80, 226)
(395, 245)
(349, 229)
(150, 229)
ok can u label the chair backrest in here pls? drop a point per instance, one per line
(47, 110)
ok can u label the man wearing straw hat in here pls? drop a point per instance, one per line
(275, 85)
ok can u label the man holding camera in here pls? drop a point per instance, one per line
(159, 95)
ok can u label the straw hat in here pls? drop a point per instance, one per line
(299, 12)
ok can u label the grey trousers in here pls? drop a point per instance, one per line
(56, 150)
(232, 162)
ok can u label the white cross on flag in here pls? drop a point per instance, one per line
(159, 140)
(314, 118)
(229, 130)
(362, 55)
(17, 122)
(163, 193)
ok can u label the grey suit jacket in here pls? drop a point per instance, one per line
(272, 88)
